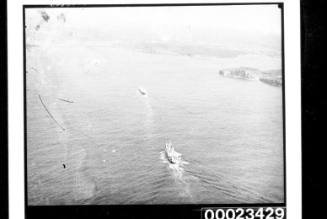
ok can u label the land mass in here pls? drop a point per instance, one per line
(271, 77)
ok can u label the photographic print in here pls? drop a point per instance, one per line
(154, 105)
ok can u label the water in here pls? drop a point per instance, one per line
(228, 131)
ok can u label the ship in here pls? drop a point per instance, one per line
(171, 155)
(142, 91)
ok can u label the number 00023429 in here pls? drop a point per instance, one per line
(244, 213)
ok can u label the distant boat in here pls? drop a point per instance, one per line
(171, 155)
(65, 100)
(142, 91)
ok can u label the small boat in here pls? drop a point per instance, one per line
(172, 156)
(142, 91)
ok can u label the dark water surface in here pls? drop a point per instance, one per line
(228, 131)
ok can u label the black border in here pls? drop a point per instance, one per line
(25, 115)
(4, 210)
(141, 211)
(314, 106)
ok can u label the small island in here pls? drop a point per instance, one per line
(244, 73)
(271, 77)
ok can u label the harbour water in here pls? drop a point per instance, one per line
(110, 150)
